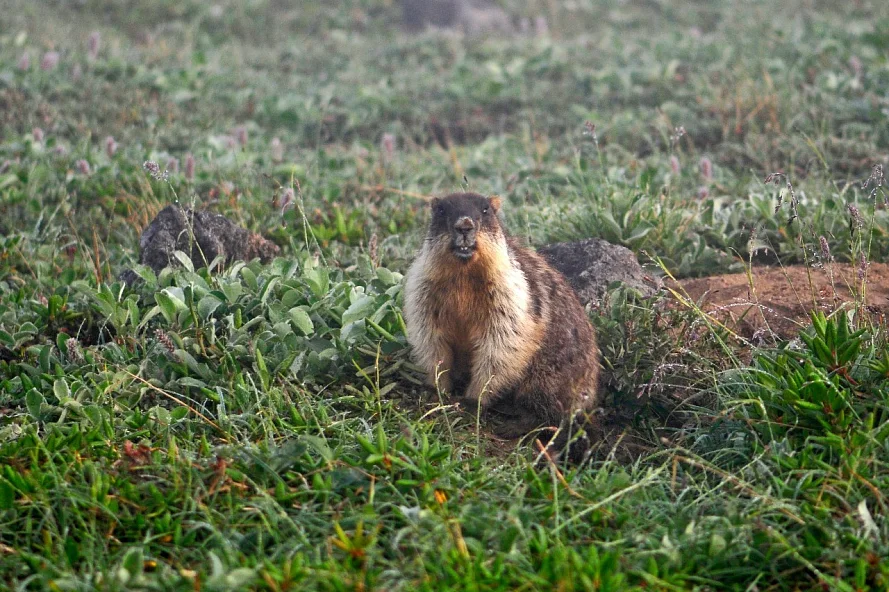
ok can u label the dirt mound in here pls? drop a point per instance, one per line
(202, 235)
(779, 299)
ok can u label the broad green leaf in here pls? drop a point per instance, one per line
(360, 308)
(301, 320)
(34, 401)
(249, 278)
(200, 369)
(291, 297)
(61, 340)
(184, 260)
(6, 339)
(268, 289)
(61, 390)
(388, 277)
(44, 358)
(207, 305)
(171, 301)
(193, 382)
(95, 414)
(232, 290)
(318, 280)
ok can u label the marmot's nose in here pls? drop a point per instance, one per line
(464, 224)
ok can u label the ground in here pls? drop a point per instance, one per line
(261, 427)
(778, 301)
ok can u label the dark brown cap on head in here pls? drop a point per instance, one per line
(456, 205)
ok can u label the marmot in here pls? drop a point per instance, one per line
(489, 319)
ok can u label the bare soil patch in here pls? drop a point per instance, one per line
(779, 299)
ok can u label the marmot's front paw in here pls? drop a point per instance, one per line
(469, 404)
(443, 384)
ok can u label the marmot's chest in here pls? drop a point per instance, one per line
(463, 308)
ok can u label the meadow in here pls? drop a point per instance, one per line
(263, 428)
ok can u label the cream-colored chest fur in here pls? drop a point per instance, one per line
(474, 313)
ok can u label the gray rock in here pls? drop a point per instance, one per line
(591, 264)
(202, 236)
(473, 17)
(416, 15)
(479, 18)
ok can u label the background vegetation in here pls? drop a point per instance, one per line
(261, 428)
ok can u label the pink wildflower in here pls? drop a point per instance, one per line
(277, 150)
(388, 146)
(674, 165)
(93, 45)
(50, 60)
(189, 166)
(706, 168)
(240, 134)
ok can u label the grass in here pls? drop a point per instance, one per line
(262, 428)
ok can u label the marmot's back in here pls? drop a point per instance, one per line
(491, 320)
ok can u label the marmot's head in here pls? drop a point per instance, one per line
(460, 219)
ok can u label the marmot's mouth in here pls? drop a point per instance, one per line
(464, 251)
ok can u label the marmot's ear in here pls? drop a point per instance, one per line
(495, 202)
(434, 202)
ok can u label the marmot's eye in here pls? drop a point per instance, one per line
(439, 210)
(485, 211)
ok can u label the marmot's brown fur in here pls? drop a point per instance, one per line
(489, 319)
